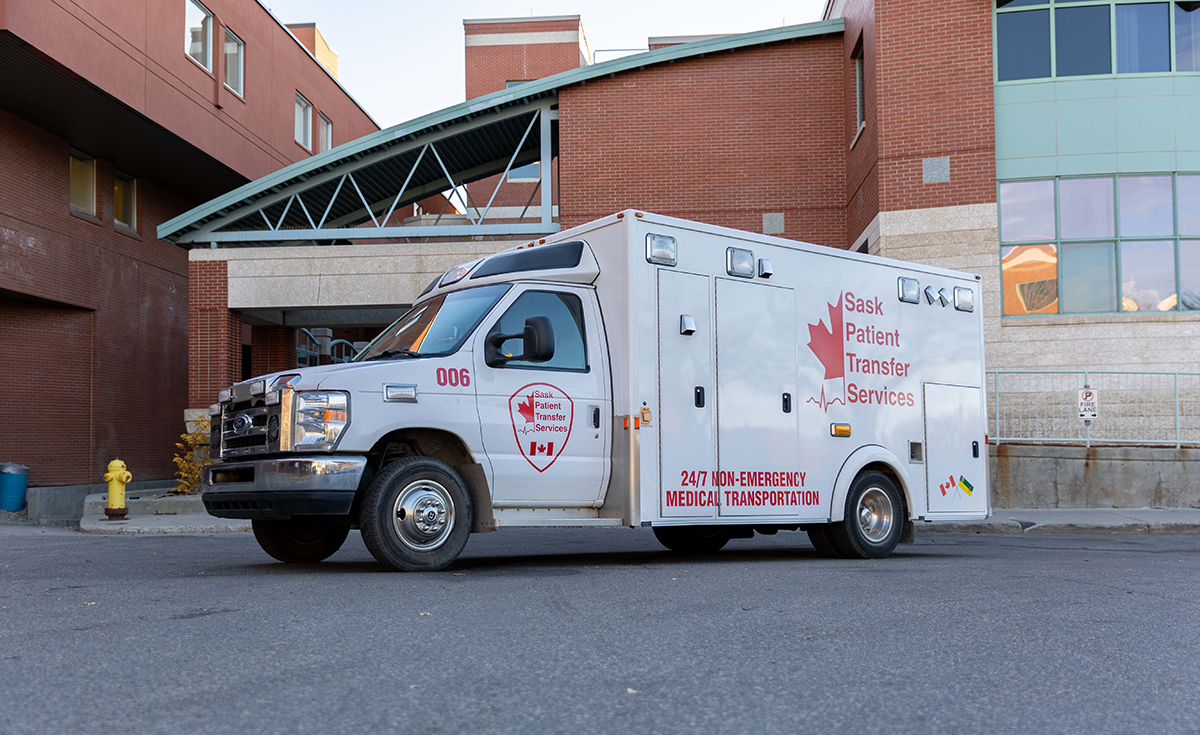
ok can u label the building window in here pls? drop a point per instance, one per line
(1143, 38)
(1023, 45)
(83, 183)
(235, 61)
(858, 85)
(303, 121)
(1082, 41)
(124, 201)
(1100, 244)
(199, 33)
(325, 133)
(1187, 36)
(1094, 37)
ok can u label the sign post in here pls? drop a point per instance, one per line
(1089, 409)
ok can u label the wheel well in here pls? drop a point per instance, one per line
(416, 442)
(890, 472)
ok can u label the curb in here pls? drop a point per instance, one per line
(188, 523)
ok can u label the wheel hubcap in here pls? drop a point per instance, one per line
(423, 516)
(875, 515)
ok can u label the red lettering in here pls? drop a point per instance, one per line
(441, 376)
(464, 378)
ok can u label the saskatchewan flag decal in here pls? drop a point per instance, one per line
(965, 486)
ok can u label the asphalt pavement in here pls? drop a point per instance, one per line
(599, 630)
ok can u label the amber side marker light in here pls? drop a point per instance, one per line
(839, 429)
(620, 215)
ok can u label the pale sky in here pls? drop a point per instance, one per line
(402, 59)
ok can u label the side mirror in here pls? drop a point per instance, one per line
(537, 337)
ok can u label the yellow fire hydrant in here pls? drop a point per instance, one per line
(116, 477)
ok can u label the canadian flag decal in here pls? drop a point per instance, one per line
(827, 343)
(542, 415)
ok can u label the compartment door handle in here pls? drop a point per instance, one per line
(699, 395)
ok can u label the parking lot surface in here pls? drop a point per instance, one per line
(596, 630)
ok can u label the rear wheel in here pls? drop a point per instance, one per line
(874, 518)
(692, 539)
(301, 540)
(416, 515)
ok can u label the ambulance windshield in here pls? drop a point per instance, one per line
(438, 326)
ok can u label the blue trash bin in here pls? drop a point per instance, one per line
(13, 480)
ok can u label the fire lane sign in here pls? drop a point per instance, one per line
(1089, 404)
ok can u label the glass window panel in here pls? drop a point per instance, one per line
(1020, 3)
(83, 184)
(1187, 36)
(1030, 279)
(1083, 42)
(1187, 193)
(303, 125)
(1089, 277)
(1146, 207)
(566, 315)
(1086, 208)
(198, 22)
(1027, 211)
(1023, 45)
(233, 61)
(325, 133)
(124, 201)
(1189, 275)
(528, 172)
(1143, 38)
(1148, 276)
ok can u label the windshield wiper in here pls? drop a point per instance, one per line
(388, 354)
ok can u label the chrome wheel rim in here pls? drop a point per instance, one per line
(423, 515)
(875, 515)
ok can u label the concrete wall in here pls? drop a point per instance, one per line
(1024, 476)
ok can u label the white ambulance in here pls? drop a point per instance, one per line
(639, 370)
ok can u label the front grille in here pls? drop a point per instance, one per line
(248, 427)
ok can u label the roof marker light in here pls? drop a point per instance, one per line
(739, 262)
(909, 290)
(661, 249)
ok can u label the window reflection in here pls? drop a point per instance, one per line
(1086, 208)
(1143, 38)
(1023, 45)
(1189, 275)
(1187, 36)
(1148, 276)
(1187, 189)
(1089, 277)
(1027, 210)
(1082, 41)
(1146, 208)
(1029, 276)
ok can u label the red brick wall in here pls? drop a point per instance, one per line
(215, 333)
(131, 290)
(272, 349)
(935, 94)
(720, 139)
(862, 164)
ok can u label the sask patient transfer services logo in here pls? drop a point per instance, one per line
(542, 415)
(828, 344)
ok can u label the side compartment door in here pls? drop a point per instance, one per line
(758, 441)
(687, 439)
(955, 451)
(546, 425)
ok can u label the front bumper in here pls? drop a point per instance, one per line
(283, 487)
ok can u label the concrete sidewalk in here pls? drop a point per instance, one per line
(184, 514)
(1075, 520)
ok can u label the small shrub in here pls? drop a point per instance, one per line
(192, 457)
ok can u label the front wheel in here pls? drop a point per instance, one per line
(692, 539)
(300, 540)
(874, 519)
(416, 515)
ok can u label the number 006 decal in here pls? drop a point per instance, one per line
(454, 377)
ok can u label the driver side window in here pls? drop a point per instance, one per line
(565, 311)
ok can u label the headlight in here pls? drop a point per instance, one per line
(321, 417)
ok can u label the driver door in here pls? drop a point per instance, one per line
(546, 425)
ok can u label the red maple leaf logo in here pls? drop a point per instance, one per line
(526, 410)
(826, 342)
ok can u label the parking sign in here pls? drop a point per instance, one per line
(1089, 403)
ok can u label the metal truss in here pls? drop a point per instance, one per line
(352, 226)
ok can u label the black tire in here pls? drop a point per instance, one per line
(301, 540)
(858, 537)
(692, 539)
(416, 515)
(818, 536)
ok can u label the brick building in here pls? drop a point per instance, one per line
(1043, 145)
(114, 118)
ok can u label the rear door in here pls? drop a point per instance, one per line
(685, 393)
(955, 451)
(758, 449)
